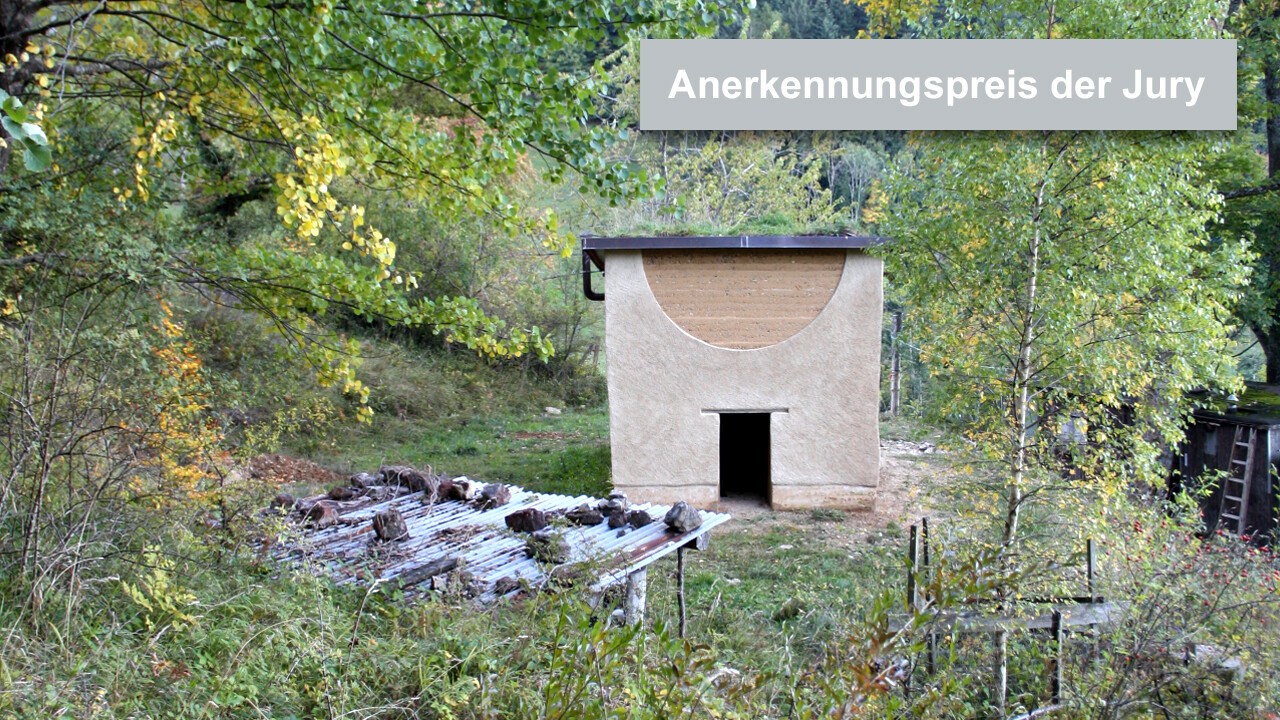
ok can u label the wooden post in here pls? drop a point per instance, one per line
(1002, 670)
(913, 550)
(1055, 678)
(924, 556)
(680, 585)
(928, 585)
(1089, 568)
(932, 657)
(895, 365)
(637, 587)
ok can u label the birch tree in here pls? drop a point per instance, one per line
(1062, 286)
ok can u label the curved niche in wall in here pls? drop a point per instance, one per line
(743, 299)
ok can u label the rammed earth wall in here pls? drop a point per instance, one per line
(812, 323)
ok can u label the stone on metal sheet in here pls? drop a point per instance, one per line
(547, 546)
(381, 493)
(342, 492)
(493, 495)
(504, 585)
(617, 518)
(527, 520)
(584, 515)
(468, 584)
(568, 575)
(365, 479)
(284, 501)
(404, 475)
(464, 489)
(439, 488)
(389, 525)
(614, 501)
(638, 518)
(322, 515)
(683, 518)
(475, 533)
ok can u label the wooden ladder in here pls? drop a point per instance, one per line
(1233, 512)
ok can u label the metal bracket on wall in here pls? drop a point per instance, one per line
(587, 290)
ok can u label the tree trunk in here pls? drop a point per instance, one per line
(1022, 380)
(895, 366)
(1270, 340)
(1271, 90)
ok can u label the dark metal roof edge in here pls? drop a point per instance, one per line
(748, 242)
(1231, 417)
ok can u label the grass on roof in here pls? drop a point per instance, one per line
(768, 225)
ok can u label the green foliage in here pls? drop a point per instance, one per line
(164, 604)
(1197, 612)
(807, 19)
(290, 645)
(726, 183)
(1063, 288)
(717, 182)
(1243, 165)
(305, 119)
(24, 134)
(228, 154)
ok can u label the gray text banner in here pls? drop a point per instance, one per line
(938, 85)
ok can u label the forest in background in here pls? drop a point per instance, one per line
(233, 229)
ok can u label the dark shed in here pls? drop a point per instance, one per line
(1240, 442)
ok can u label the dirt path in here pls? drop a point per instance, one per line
(906, 469)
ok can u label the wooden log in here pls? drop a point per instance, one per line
(371, 496)
(924, 557)
(699, 543)
(422, 573)
(895, 365)
(1002, 671)
(304, 505)
(1089, 567)
(1055, 671)
(1073, 615)
(932, 658)
(913, 549)
(1040, 712)
(637, 589)
(680, 587)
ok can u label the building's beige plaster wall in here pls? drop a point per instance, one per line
(664, 386)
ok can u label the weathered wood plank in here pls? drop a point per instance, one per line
(1073, 615)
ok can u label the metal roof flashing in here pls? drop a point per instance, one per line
(594, 246)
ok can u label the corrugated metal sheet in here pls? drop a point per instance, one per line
(486, 549)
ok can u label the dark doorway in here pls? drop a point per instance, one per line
(744, 456)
